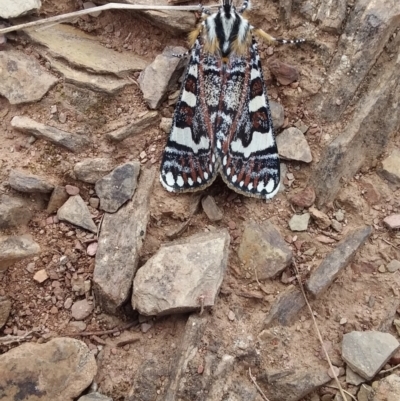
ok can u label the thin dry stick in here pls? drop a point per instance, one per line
(257, 386)
(389, 370)
(394, 246)
(350, 395)
(110, 6)
(102, 332)
(318, 332)
(9, 339)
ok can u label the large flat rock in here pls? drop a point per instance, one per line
(25, 182)
(56, 371)
(121, 239)
(85, 51)
(14, 212)
(387, 389)
(17, 8)
(324, 275)
(68, 140)
(23, 79)
(182, 276)
(92, 170)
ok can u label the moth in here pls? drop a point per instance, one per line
(222, 121)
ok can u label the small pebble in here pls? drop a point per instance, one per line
(72, 190)
(41, 276)
(231, 316)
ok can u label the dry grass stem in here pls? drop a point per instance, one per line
(257, 386)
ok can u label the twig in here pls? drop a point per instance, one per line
(9, 339)
(110, 6)
(102, 332)
(394, 246)
(346, 392)
(257, 386)
(389, 370)
(318, 332)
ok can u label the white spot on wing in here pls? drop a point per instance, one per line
(254, 73)
(225, 160)
(259, 142)
(260, 186)
(190, 181)
(250, 186)
(169, 179)
(234, 178)
(228, 171)
(183, 136)
(256, 103)
(179, 181)
(270, 186)
(199, 180)
(205, 176)
(241, 183)
(189, 98)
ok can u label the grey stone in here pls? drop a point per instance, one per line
(17, 8)
(305, 198)
(324, 275)
(299, 222)
(117, 187)
(320, 218)
(161, 75)
(135, 128)
(392, 222)
(293, 386)
(121, 238)
(72, 142)
(292, 145)
(23, 79)
(393, 266)
(23, 182)
(391, 167)
(364, 393)
(58, 197)
(366, 352)
(14, 212)
(353, 378)
(277, 114)
(166, 124)
(15, 248)
(182, 276)
(5, 309)
(263, 248)
(77, 327)
(108, 84)
(331, 15)
(387, 389)
(76, 212)
(194, 330)
(80, 310)
(67, 367)
(94, 397)
(85, 51)
(211, 209)
(286, 307)
(92, 170)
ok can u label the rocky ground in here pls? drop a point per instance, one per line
(112, 288)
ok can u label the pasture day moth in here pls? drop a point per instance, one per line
(222, 121)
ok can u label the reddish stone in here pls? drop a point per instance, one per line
(392, 221)
(371, 195)
(72, 190)
(304, 198)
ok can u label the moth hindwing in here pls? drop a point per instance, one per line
(222, 121)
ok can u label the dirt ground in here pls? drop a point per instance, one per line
(366, 298)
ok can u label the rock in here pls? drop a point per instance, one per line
(76, 212)
(285, 74)
(387, 389)
(299, 222)
(85, 51)
(194, 330)
(30, 183)
(94, 397)
(41, 276)
(19, 86)
(392, 222)
(292, 145)
(182, 276)
(331, 15)
(391, 167)
(161, 75)
(277, 114)
(92, 249)
(72, 142)
(67, 367)
(58, 197)
(135, 128)
(336, 226)
(72, 190)
(94, 202)
(211, 209)
(305, 198)
(5, 310)
(371, 195)
(80, 310)
(14, 212)
(324, 275)
(166, 124)
(320, 218)
(108, 84)
(393, 266)
(92, 170)
(358, 145)
(17, 8)
(301, 126)
(15, 248)
(293, 386)
(121, 238)
(339, 215)
(77, 327)
(263, 248)
(353, 378)
(118, 186)
(364, 393)
(286, 307)
(366, 352)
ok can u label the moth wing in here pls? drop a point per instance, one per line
(245, 135)
(189, 162)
